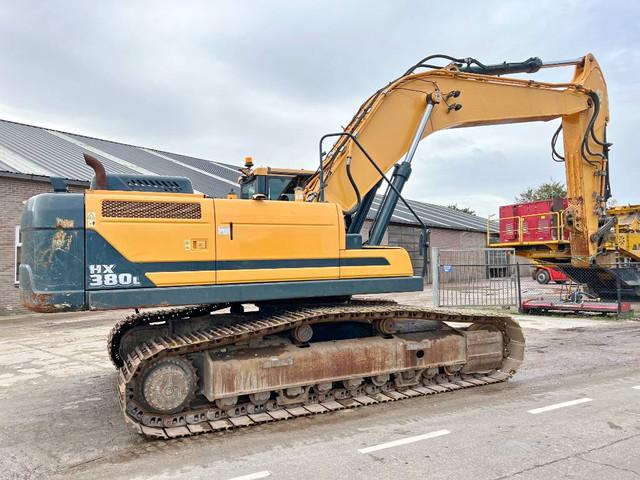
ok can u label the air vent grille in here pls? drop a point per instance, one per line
(150, 184)
(132, 209)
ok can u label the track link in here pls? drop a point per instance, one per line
(208, 418)
(145, 318)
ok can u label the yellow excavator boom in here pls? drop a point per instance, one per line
(386, 123)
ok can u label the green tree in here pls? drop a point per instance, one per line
(461, 209)
(546, 191)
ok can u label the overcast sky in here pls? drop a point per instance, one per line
(224, 80)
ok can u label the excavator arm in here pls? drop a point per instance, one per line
(393, 120)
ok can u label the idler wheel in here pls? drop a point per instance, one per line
(168, 385)
(452, 369)
(322, 387)
(352, 383)
(224, 403)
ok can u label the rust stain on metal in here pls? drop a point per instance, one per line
(61, 240)
(39, 302)
(250, 370)
(388, 364)
(64, 223)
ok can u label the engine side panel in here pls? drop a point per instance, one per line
(133, 235)
(270, 241)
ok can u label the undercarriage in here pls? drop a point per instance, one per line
(192, 370)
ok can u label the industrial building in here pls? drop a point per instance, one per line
(31, 155)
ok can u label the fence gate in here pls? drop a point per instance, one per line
(474, 277)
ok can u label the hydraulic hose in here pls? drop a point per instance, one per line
(355, 189)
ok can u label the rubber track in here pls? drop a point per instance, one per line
(193, 422)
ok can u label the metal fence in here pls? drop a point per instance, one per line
(493, 277)
(597, 289)
(474, 277)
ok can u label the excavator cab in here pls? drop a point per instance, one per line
(268, 183)
(272, 184)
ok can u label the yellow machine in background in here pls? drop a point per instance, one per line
(291, 247)
(625, 237)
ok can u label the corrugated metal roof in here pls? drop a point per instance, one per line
(31, 150)
(215, 168)
(434, 216)
(161, 163)
(26, 149)
(4, 167)
(38, 152)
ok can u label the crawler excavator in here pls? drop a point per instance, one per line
(291, 246)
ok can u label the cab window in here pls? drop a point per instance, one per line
(278, 185)
(248, 189)
(274, 187)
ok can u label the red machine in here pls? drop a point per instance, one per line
(533, 222)
(544, 274)
(541, 305)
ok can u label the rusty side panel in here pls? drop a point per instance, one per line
(252, 370)
(484, 350)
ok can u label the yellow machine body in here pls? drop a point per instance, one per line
(241, 231)
(290, 234)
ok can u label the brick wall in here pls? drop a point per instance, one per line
(13, 194)
(408, 237)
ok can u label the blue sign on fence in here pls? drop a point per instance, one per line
(447, 268)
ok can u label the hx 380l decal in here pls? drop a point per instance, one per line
(106, 276)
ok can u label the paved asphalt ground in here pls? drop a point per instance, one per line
(59, 416)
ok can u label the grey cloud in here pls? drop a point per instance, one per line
(224, 79)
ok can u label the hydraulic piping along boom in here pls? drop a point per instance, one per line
(530, 65)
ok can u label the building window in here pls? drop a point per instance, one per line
(18, 255)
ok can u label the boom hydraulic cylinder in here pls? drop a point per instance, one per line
(400, 176)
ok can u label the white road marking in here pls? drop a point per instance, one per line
(253, 476)
(560, 405)
(404, 441)
(637, 387)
